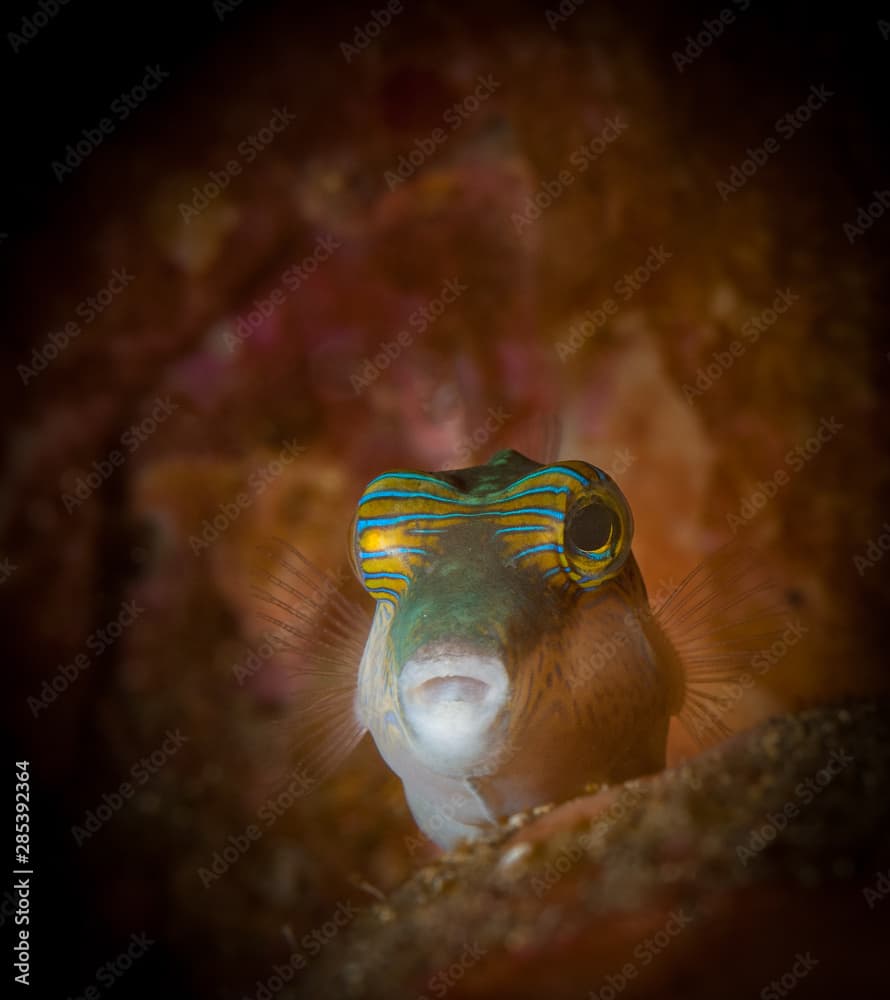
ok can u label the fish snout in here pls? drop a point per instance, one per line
(452, 699)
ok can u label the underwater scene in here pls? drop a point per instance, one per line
(445, 501)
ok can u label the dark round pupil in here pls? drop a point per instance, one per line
(589, 529)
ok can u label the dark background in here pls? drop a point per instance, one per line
(89, 53)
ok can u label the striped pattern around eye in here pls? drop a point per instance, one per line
(403, 519)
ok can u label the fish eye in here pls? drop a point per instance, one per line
(593, 529)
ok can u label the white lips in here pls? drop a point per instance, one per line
(450, 702)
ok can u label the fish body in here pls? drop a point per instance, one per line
(495, 588)
(513, 659)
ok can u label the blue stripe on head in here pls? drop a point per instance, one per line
(597, 558)
(421, 477)
(399, 549)
(385, 593)
(383, 522)
(536, 489)
(386, 576)
(583, 480)
(545, 547)
(556, 569)
(407, 495)
(522, 527)
(571, 473)
(420, 495)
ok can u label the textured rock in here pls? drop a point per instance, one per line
(708, 879)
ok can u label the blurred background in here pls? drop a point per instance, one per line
(259, 253)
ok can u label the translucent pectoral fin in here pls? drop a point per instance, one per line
(323, 634)
(721, 621)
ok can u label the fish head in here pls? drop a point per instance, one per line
(511, 646)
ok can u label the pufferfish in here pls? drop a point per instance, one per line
(513, 659)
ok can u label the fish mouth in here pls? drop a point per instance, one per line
(450, 688)
(451, 700)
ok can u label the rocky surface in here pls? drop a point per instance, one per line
(711, 879)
